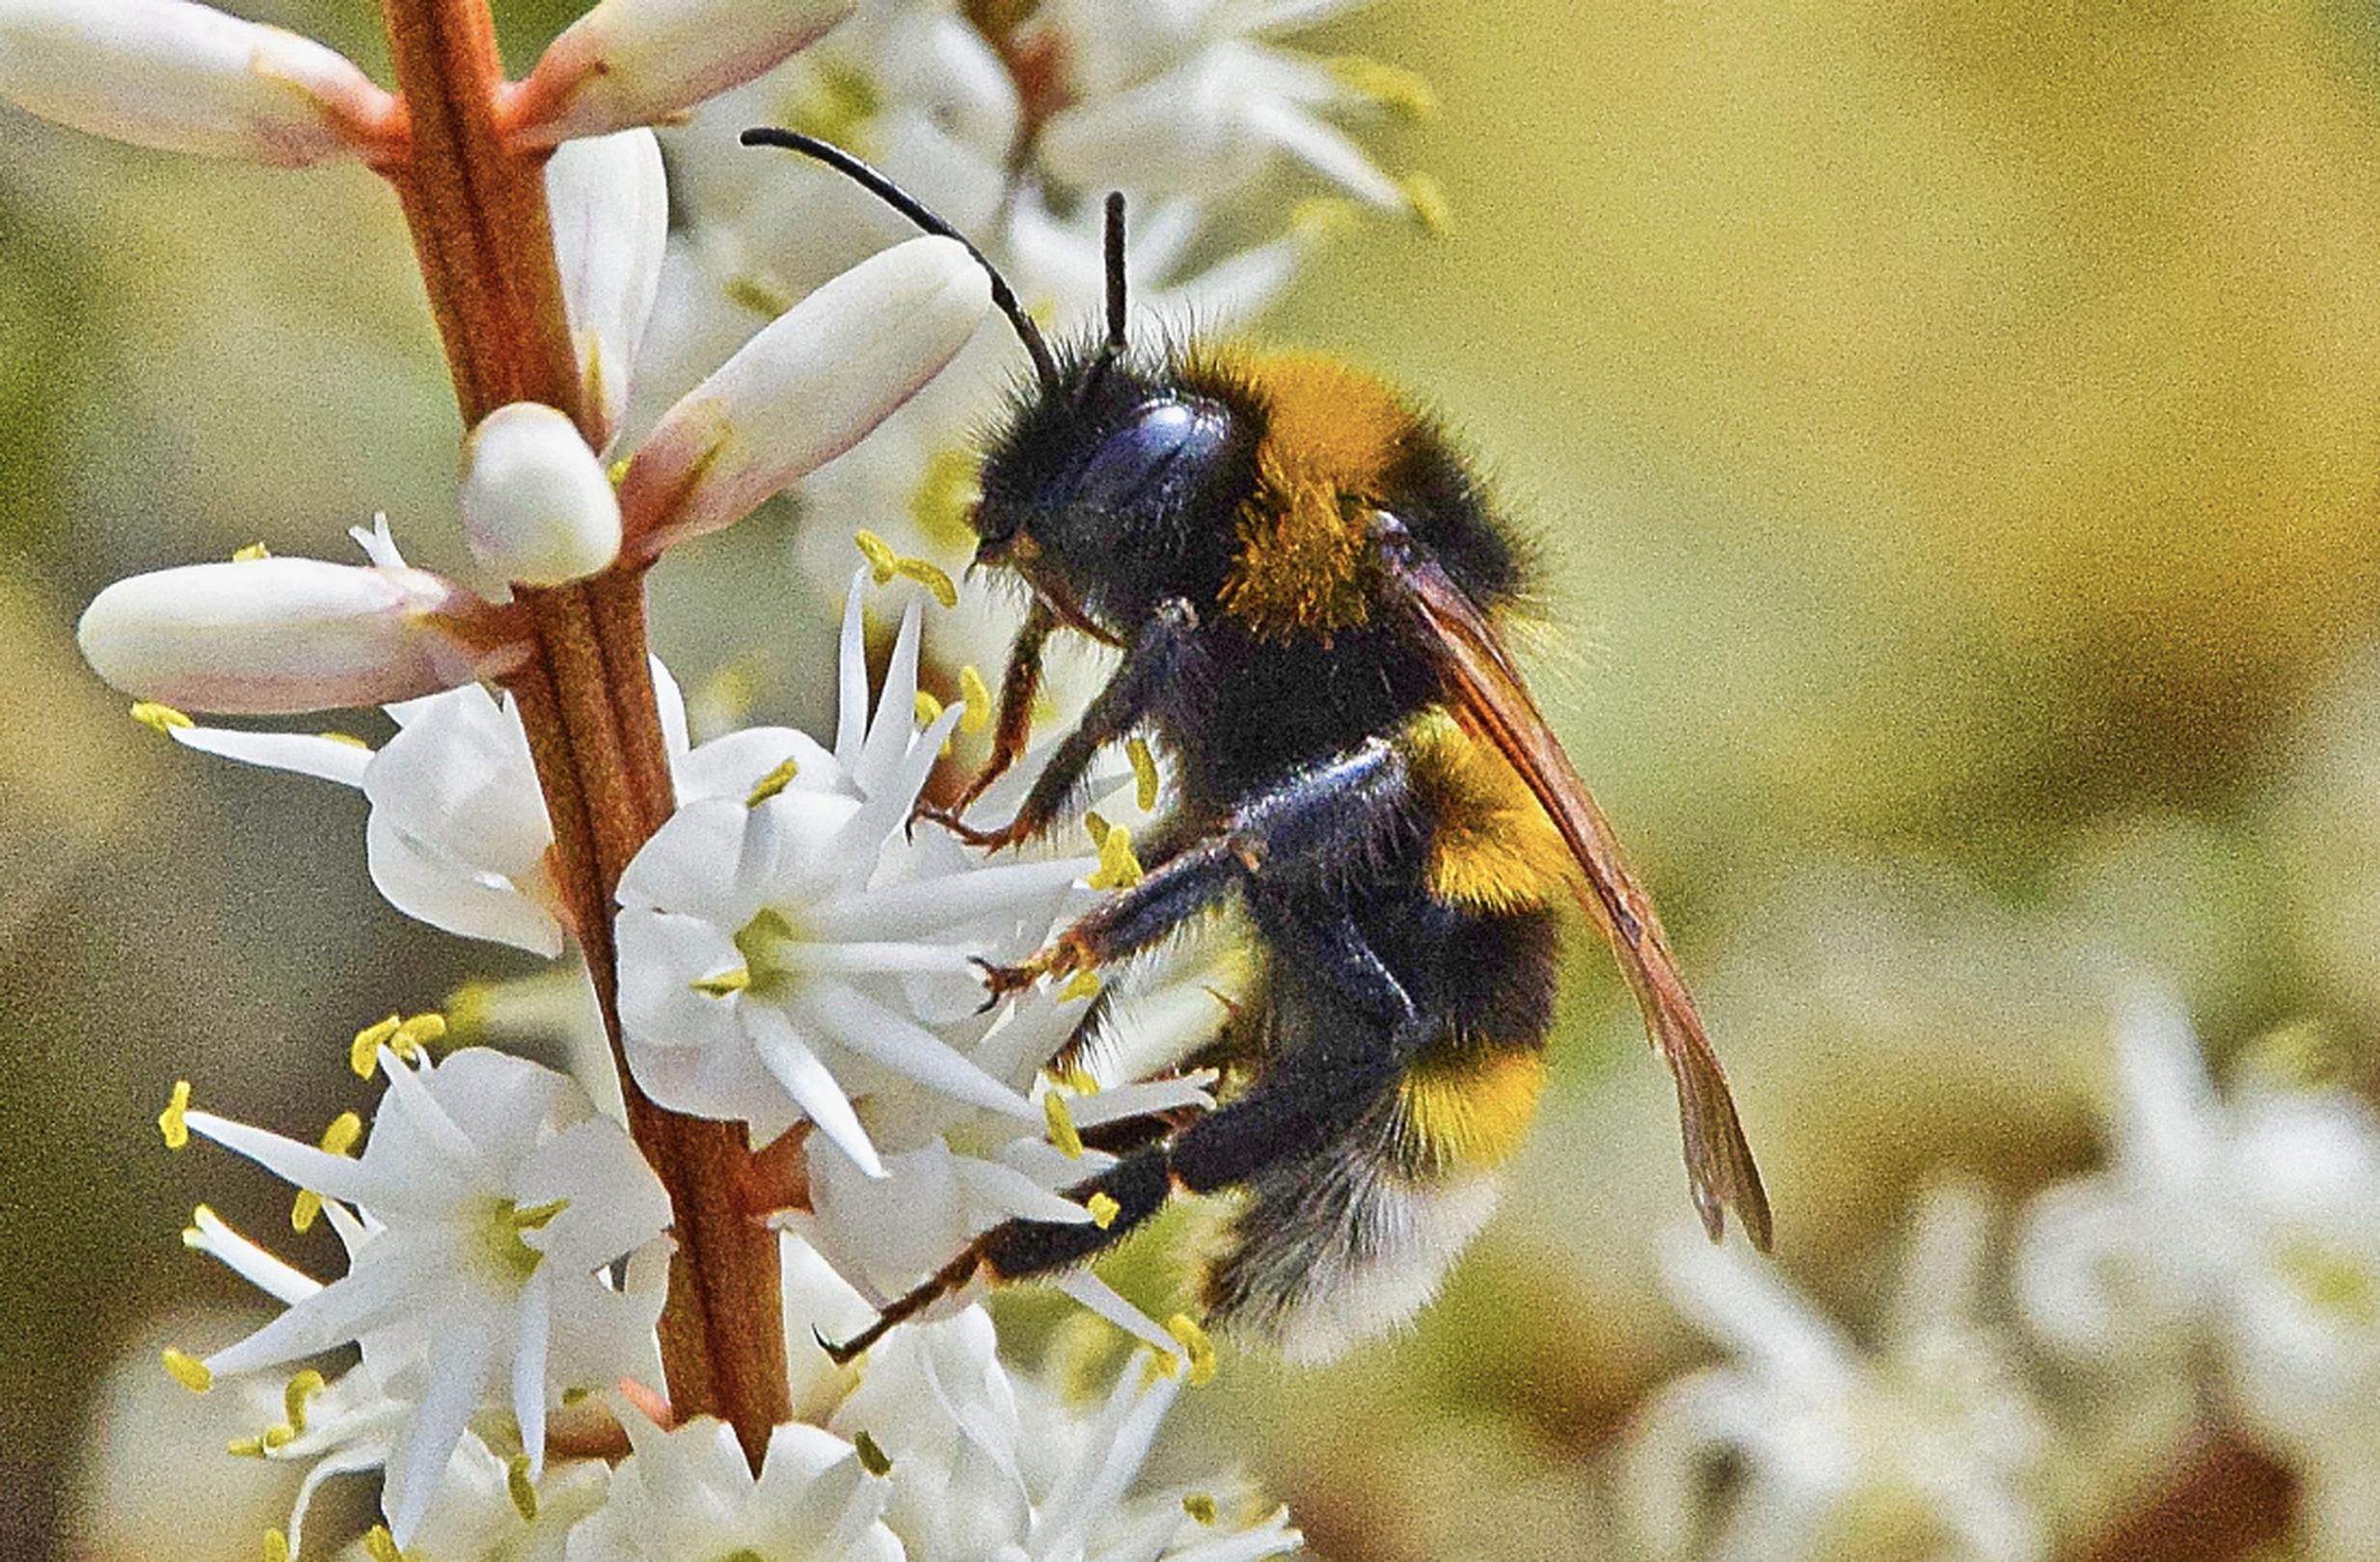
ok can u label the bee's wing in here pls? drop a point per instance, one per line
(1488, 697)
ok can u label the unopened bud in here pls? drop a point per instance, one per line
(184, 77)
(638, 61)
(537, 506)
(803, 390)
(610, 209)
(276, 636)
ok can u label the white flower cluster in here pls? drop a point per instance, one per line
(788, 955)
(2223, 1271)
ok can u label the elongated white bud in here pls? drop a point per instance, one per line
(639, 62)
(537, 506)
(276, 636)
(186, 77)
(610, 206)
(803, 390)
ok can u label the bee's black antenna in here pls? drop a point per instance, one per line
(1115, 274)
(1044, 366)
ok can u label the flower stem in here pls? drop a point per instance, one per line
(485, 238)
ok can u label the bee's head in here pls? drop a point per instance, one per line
(1100, 494)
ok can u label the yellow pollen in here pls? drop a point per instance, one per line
(1200, 1507)
(245, 1447)
(301, 1389)
(872, 1455)
(279, 1437)
(1143, 774)
(1196, 1345)
(250, 554)
(345, 1129)
(887, 566)
(173, 1122)
(1103, 1210)
(1430, 208)
(774, 782)
(363, 1051)
(1118, 867)
(1079, 1079)
(1097, 823)
(617, 471)
(1081, 985)
(1062, 1130)
(519, 1487)
(304, 1209)
(1392, 87)
(1160, 1364)
(417, 1032)
(381, 1545)
(187, 1370)
(929, 709)
(725, 983)
(348, 739)
(160, 717)
(276, 1547)
(976, 697)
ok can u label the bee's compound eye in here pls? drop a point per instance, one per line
(1164, 440)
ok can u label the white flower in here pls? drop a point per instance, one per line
(537, 506)
(2249, 1229)
(481, 1222)
(687, 1495)
(638, 62)
(1929, 1447)
(761, 936)
(484, 1510)
(185, 77)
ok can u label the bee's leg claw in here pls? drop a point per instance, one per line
(999, 981)
(949, 819)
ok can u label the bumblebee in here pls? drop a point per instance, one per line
(1304, 582)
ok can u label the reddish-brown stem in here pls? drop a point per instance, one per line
(483, 234)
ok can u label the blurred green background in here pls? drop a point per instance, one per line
(1955, 428)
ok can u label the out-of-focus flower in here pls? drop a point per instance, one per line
(2240, 1230)
(1929, 1447)
(689, 1492)
(482, 1223)
(185, 77)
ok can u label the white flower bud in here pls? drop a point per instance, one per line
(184, 77)
(638, 61)
(807, 388)
(610, 206)
(275, 636)
(537, 506)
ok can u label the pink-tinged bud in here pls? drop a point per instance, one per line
(277, 637)
(610, 206)
(537, 506)
(803, 390)
(184, 77)
(640, 62)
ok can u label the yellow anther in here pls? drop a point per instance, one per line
(245, 1447)
(467, 1011)
(1143, 774)
(759, 294)
(348, 739)
(928, 707)
(1392, 87)
(304, 1210)
(774, 782)
(253, 551)
(187, 1370)
(1118, 867)
(886, 566)
(617, 471)
(1200, 1507)
(1157, 1365)
(363, 1051)
(1103, 1210)
(1097, 823)
(173, 1122)
(345, 1129)
(521, 1489)
(724, 984)
(978, 699)
(1079, 1079)
(381, 1545)
(940, 502)
(872, 1455)
(296, 1393)
(1081, 985)
(537, 1217)
(279, 1437)
(1430, 208)
(1195, 1346)
(417, 1032)
(1062, 1130)
(160, 717)
(276, 1547)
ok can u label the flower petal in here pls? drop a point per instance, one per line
(638, 61)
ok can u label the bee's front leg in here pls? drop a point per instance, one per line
(1165, 648)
